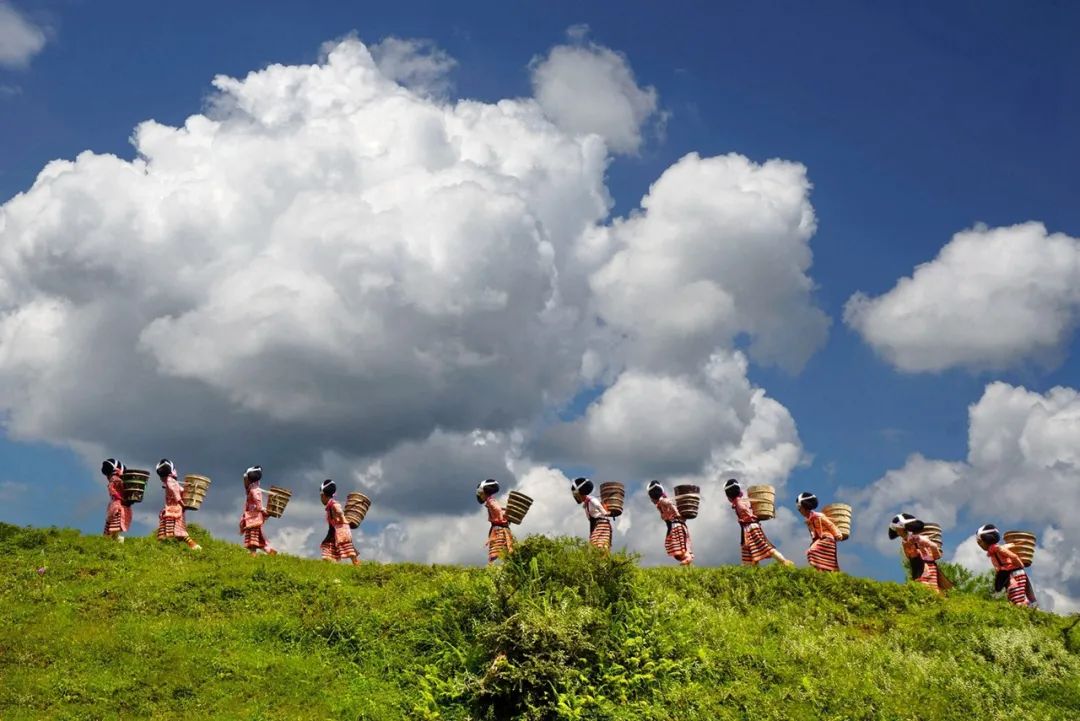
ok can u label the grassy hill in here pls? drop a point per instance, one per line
(148, 630)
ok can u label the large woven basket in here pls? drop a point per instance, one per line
(517, 505)
(276, 500)
(1023, 544)
(134, 486)
(356, 507)
(933, 532)
(763, 501)
(195, 488)
(612, 495)
(840, 514)
(688, 501)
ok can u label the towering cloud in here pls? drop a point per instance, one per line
(334, 270)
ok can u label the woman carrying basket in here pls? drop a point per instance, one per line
(338, 542)
(118, 515)
(921, 552)
(1011, 576)
(171, 519)
(595, 511)
(677, 541)
(755, 545)
(254, 517)
(500, 541)
(823, 534)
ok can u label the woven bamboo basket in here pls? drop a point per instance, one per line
(840, 514)
(356, 507)
(1023, 544)
(134, 486)
(276, 500)
(195, 488)
(933, 532)
(517, 505)
(763, 501)
(688, 501)
(612, 495)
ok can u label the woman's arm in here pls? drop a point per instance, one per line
(1005, 549)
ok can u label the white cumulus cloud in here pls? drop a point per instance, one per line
(588, 88)
(720, 248)
(993, 298)
(20, 38)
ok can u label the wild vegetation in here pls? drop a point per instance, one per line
(96, 630)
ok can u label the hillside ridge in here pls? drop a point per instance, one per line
(99, 630)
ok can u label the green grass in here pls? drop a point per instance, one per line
(147, 630)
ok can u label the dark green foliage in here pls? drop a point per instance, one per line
(967, 582)
(152, 630)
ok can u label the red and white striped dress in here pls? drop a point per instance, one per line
(118, 516)
(171, 519)
(599, 522)
(677, 541)
(755, 545)
(922, 548)
(253, 518)
(338, 542)
(500, 541)
(823, 537)
(1018, 588)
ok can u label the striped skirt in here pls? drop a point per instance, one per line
(677, 542)
(170, 527)
(500, 542)
(335, 550)
(117, 518)
(600, 534)
(755, 546)
(930, 577)
(255, 538)
(1018, 588)
(822, 555)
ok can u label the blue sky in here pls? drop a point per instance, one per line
(914, 121)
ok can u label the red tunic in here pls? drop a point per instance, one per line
(1011, 576)
(755, 545)
(599, 522)
(118, 516)
(500, 541)
(917, 546)
(171, 519)
(338, 542)
(823, 537)
(253, 518)
(677, 541)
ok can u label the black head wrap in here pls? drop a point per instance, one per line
(988, 534)
(656, 491)
(254, 473)
(328, 488)
(582, 486)
(732, 489)
(110, 466)
(486, 488)
(165, 468)
(899, 523)
(807, 500)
